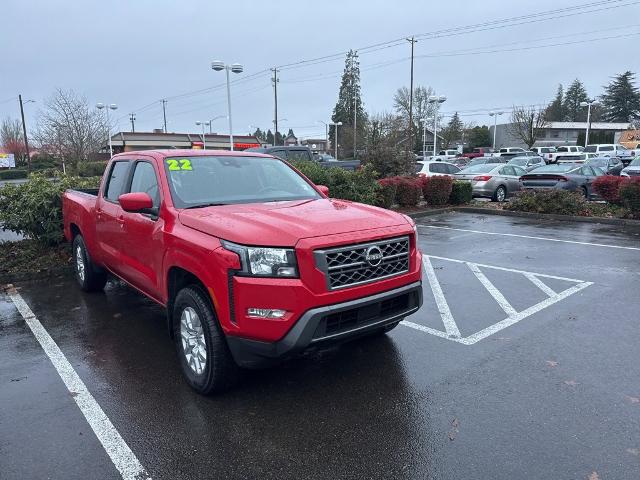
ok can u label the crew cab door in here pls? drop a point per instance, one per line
(142, 242)
(110, 216)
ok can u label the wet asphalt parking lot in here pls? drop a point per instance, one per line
(524, 362)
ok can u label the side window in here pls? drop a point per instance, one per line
(117, 179)
(280, 154)
(299, 155)
(519, 171)
(562, 149)
(145, 180)
(507, 171)
(437, 168)
(587, 171)
(606, 148)
(452, 168)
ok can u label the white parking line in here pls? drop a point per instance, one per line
(531, 237)
(443, 307)
(121, 455)
(513, 316)
(495, 293)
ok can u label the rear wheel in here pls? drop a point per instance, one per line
(202, 349)
(89, 277)
(584, 192)
(500, 194)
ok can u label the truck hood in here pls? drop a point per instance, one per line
(284, 223)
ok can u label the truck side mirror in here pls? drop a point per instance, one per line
(135, 202)
(323, 189)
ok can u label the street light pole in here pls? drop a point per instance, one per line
(588, 105)
(217, 65)
(204, 140)
(107, 107)
(495, 121)
(437, 100)
(336, 136)
(424, 136)
(24, 133)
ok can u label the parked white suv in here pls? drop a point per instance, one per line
(612, 150)
(544, 152)
(444, 155)
(508, 150)
(566, 153)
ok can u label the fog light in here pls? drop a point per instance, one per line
(286, 272)
(265, 313)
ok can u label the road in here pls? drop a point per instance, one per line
(522, 363)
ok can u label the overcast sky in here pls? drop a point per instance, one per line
(134, 53)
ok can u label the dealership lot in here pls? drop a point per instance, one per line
(522, 363)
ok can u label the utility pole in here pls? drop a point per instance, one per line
(412, 40)
(24, 132)
(164, 114)
(355, 106)
(275, 81)
(132, 118)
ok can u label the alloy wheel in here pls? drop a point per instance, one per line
(194, 344)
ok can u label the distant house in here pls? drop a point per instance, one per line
(290, 139)
(316, 144)
(559, 133)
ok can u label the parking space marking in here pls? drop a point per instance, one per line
(532, 237)
(452, 332)
(119, 452)
(443, 307)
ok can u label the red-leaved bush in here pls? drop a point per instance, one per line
(387, 194)
(630, 195)
(407, 190)
(437, 190)
(608, 187)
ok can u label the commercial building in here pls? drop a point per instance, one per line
(130, 141)
(560, 133)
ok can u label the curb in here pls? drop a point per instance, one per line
(625, 222)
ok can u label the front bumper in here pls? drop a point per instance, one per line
(332, 323)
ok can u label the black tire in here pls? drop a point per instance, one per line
(498, 196)
(89, 277)
(584, 192)
(220, 372)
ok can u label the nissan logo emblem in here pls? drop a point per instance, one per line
(373, 256)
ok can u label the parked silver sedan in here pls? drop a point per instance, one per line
(491, 180)
(528, 163)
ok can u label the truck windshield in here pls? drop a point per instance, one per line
(202, 181)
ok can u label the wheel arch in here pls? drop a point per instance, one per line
(178, 278)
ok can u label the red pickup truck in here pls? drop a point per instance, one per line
(253, 262)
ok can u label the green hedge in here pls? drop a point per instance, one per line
(34, 208)
(91, 169)
(461, 192)
(357, 186)
(12, 174)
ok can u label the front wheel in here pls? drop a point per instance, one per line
(202, 349)
(89, 277)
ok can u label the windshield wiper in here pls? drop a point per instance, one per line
(202, 205)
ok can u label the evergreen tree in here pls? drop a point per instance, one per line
(260, 135)
(349, 103)
(555, 111)
(279, 139)
(269, 137)
(621, 99)
(453, 131)
(480, 137)
(576, 93)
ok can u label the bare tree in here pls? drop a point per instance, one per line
(526, 124)
(68, 127)
(12, 140)
(421, 106)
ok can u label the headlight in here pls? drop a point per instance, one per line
(265, 262)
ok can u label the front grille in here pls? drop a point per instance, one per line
(354, 318)
(363, 263)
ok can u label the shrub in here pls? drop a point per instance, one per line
(437, 190)
(12, 174)
(387, 194)
(359, 186)
(407, 191)
(91, 169)
(607, 186)
(389, 161)
(461, 192)
(561, 202)
(630, 195)
(34, 208)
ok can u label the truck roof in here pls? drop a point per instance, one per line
(192, 153)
